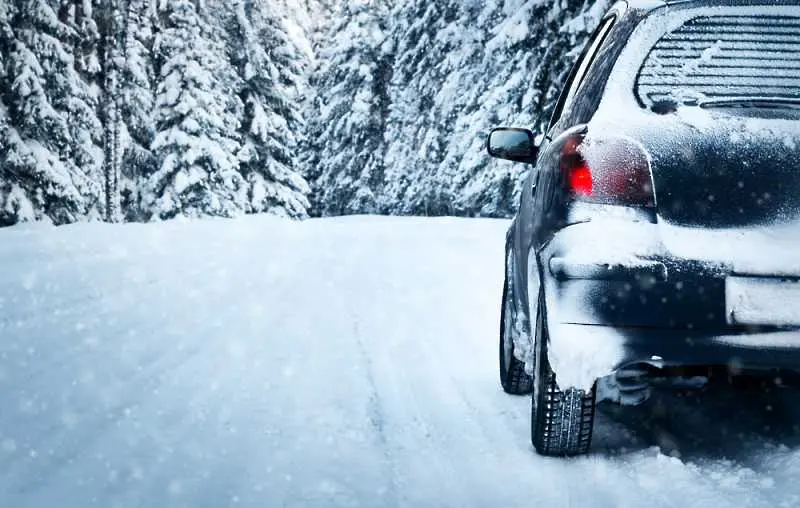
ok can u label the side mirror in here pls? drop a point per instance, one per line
(512, 144)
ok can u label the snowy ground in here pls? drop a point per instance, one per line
(263, 363)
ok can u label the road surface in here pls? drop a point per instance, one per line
(340, 362)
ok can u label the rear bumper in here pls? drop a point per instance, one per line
(663, 348)
(623, 300)
(580, 354)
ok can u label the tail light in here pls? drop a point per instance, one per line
(611, 170)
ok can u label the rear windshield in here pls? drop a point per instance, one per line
(723, 57)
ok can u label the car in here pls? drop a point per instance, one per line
(658, 230)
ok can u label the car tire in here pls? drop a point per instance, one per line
(513, 377)
(561, 420)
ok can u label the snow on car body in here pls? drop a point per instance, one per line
(660, 225)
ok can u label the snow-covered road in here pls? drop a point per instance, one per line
(343, 362)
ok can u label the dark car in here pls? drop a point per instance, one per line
(658, 232)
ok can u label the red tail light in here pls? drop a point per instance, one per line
(580, 180)
(606, 170)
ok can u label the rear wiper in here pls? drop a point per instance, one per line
(752, 102)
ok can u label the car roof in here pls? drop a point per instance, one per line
(648, 5)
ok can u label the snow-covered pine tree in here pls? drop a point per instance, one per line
(15, 202)
(304, 21)
(487, 83)
(430, 37)
(49, 155)
(111, 44)
(136, 107)
(348, 115)
(81, 97)
(197, 119)
(270, 65)
(80, 14)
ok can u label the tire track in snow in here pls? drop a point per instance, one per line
(376, 412)
(419, 448)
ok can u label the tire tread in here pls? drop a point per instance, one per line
(562, 425)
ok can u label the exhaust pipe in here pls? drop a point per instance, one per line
(633, 384)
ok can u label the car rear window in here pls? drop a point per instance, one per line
(724, 57)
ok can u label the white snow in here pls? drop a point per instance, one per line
(762, 301)
(582, 354)
(260, 362)
(755, 250)
(611, 240)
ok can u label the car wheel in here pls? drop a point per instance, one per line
(513, 377)
(561, 421)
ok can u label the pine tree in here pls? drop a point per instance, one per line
(50, 157)
(349, 113)
(270, 66)
(16, 202)
(428, 33)
(81, 98)
(196, 121)
(136, 107)
(112, 43)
